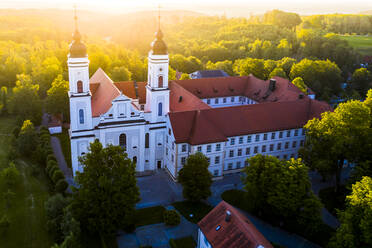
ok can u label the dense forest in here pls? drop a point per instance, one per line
(277, 43)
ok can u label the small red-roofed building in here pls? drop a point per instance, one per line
(225, 226)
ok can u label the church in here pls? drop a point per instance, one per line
(160, 122)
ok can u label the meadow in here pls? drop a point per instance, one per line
(28, 224)
(361, 43)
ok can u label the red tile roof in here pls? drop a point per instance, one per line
(182, 100)
(216, 124)
(239, 232)
(103, 93)
(128, 88)
(250, 86)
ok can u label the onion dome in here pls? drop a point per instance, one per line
(77, 48)
(158, 46)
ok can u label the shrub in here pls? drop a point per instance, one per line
(10, 175)
(52, 170)
(4, 223)
(57, 175)
(44, 129)
(61, 186)
(16, 131)
(13, 153)
(50, 164)
(171, 218)
(49, 151)
(51, 157)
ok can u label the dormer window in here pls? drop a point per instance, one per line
(79, 86)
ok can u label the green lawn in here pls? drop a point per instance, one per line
(66, 146)
(185, 242)
(26, 213)
(362, 43)
(149, 216)
(197, 209)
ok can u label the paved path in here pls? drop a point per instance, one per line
(158, 189)
(57, 150)
(157, 235)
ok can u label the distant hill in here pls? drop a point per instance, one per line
(129, 29)
(367, 12)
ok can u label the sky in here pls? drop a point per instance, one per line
(213, 7)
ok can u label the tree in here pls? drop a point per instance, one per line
(25, 100)
(10, 175)
(57, 100)
(283, 189)
(278, 72)
(320, 75)
(361, 80)
(245, 67)
(226, 66)
(338, 136)
(184, 76)
(286, 63)
(4, 223)
(3, 100)
(356, 219)
(120, 73)
(54, 210)
(300, 84)
(282, 19)
(44, 73)
(105, 200)
(195, 178)
(27, 138)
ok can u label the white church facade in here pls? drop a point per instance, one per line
(161, 122)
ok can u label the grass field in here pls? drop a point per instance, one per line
(362, 43)
(26, 213)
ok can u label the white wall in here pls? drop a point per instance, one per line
(228, 101)
(202, 240)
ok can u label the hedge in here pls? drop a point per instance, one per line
(61, 186)
(51, 157)
(57, 175)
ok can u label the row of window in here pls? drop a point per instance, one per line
(265, 136)
(123, 140)
(239, 163)
(265, 148)
(232, 99)
(248, 139)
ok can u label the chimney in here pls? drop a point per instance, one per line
(228, 216)
(180, 99)
(301, 96)
(272, 84)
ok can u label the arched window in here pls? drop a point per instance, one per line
(81, 116)
(160, 109)
(160, 81)
(147, 140)
(123, 141)
(79, 86)
(135, 159)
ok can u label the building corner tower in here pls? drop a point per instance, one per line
(81, 133)
(157, 90)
